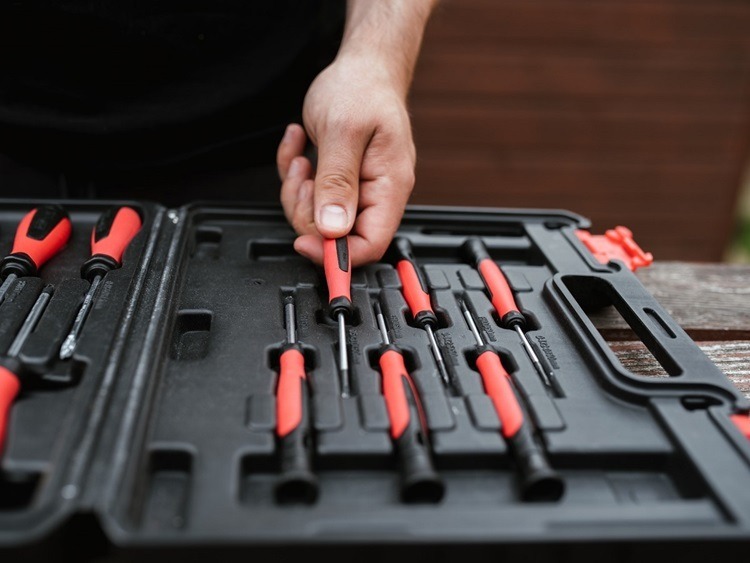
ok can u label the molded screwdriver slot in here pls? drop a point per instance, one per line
(206, 242)
(191, 335)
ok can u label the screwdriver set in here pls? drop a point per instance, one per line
(189, 380)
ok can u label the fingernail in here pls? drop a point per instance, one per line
(333, 217)
(294, 167)
(304, 191)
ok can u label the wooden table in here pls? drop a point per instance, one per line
(711, 302)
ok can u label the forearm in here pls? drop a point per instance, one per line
(389, 34)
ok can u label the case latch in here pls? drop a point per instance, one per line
(617, 244)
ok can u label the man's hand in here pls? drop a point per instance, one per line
(355, 114)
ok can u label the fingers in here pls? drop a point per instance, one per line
(382, 205)
(291, 146)
(293, 190)
(340, 155)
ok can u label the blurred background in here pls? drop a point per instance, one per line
(632, 113)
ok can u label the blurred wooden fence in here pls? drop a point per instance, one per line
(628, 112)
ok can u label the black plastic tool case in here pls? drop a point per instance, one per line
(159, 434)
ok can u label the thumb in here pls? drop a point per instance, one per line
(337, 181)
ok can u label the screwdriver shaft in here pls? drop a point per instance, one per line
(30, 323)
(534, 358)
(6, 285)
(343, 360)
(438, 356)
(69, 345)
(291, 334)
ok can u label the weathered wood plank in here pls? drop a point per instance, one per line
(709, 301)
(732, 357)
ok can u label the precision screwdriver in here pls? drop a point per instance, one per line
(297, 482)
(418, 298)
(110, 236)
(419, 480)
(42, 233)
(539, 481)
(10, 367)
(338, 269)
(502, 299)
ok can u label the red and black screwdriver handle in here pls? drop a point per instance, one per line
(420, 481)
(539, 481)
(111, 235)
(414, 284)
(297, 482)
(41, 234)
(337, 264)
(475, 253)
(10, 386)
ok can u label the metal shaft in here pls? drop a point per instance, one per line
(343, 360)
(472, 324)
(438, 356)
(30, 323)
(381, 323)
(6, 285)
(534, 359)
(71, 341)
(291, 334)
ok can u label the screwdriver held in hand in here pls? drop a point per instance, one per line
(338, 269)
(42, 233)
(10, 368)
(418, 298)
(111, 235)
(297, 481)
(539, 481)
(419, 480)
(504, 303)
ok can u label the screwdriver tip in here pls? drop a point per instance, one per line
(48, 289)
(67, 348)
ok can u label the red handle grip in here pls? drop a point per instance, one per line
(396, 403)
(9, 388)
(497, 384)
(415, 294)
(113, 232)
(338, 268)
(500, 292)
(42, 233)
(289, 391)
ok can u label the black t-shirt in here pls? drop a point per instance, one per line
(129, 84)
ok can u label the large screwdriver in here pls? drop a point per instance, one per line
(419, 480)
(338, 269)
(10, 367)
(42, 233)
(502, 299)
(418, 298)
(539, 482)
(297, 481)
(110, 236)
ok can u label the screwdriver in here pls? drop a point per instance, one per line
(10, 381)
(297, 479)
(42, 233)
(110, 236)
(539, 482)
(338, 269)
(502, 299)
(419, 480)
(418, 298)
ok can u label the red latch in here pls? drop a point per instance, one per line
(616, 244)
(742, 422)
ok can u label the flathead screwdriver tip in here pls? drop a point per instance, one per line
(67, 348)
